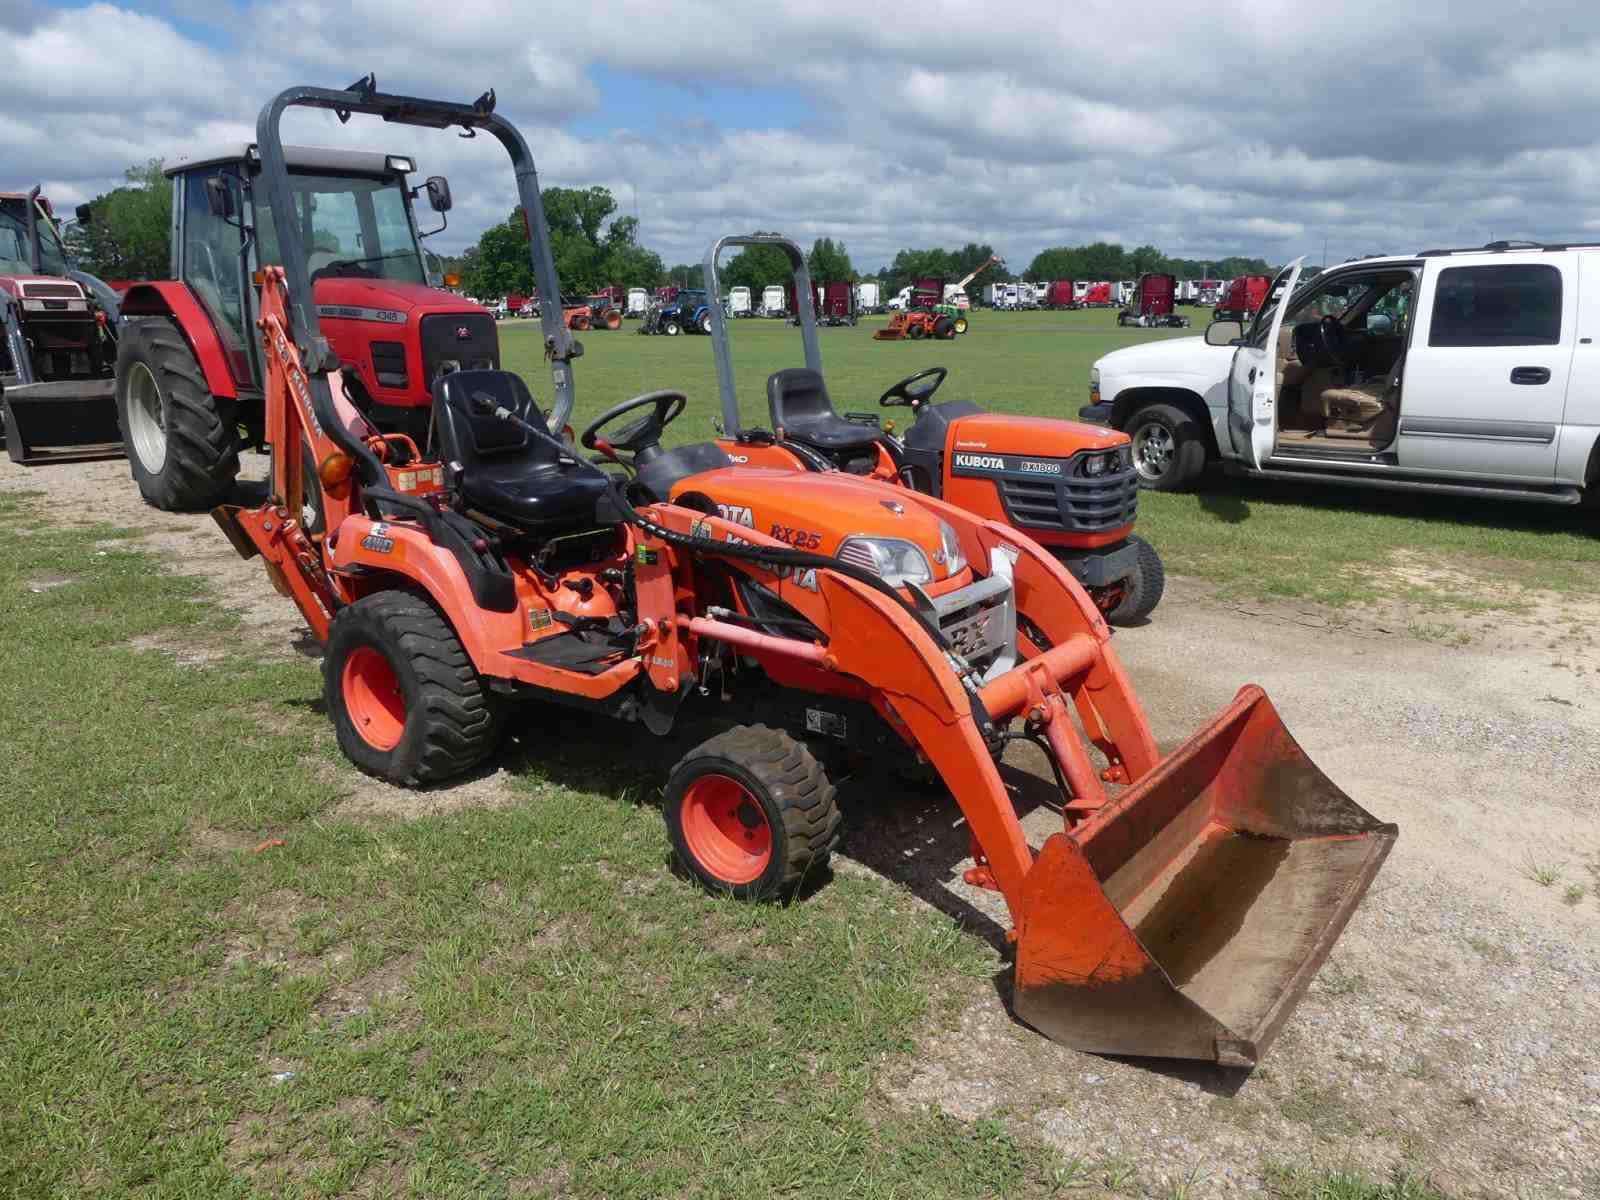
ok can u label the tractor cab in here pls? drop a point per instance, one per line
(355, 214)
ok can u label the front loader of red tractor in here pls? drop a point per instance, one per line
(1181, 909)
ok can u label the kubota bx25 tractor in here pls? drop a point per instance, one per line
(1069, 486)
(1180, 911)
(189, 374)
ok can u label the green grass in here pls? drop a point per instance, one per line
(519, 1000)
(1301, 1183)
(1249, 539)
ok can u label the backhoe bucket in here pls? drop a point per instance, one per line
(65, 421)
(1186, 917)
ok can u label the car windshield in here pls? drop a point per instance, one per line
(352, 225)
(16, 257)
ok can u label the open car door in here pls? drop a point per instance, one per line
(1253, 383)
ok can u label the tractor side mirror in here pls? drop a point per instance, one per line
(438, 193)
(219, 197)
(84, 213)
(1224, 333)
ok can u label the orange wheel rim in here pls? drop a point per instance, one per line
(726, 829)
(373, 698)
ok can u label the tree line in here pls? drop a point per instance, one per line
(129, 235)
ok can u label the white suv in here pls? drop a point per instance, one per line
(1473, 372)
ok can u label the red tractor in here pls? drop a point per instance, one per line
(1069, 486)
(189, 367)
(58, 347)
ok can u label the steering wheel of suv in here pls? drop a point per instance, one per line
(1334, 341)
(664, 406)
(905, 392)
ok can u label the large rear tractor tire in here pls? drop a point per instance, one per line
(1142, 590)
(751, 812)
(182, 442)
(406, 703)
(1169, 449)
(944, 329)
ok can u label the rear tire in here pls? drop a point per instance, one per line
(917, 331)
(406, 703)
(1142, 590)
(1169, 450)
(182, 444)
(751, 812)
(944, 329)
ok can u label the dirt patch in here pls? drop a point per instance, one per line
(389, 981)
(363, 798)
(47, 583)
(210, 840)
(185, 650)
(267, 932)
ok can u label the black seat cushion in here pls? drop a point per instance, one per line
(504, 471)
(798, 401)
(656, 478)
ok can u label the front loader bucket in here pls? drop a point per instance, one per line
(66, 421)
(1186, 917)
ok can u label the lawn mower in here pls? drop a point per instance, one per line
(1069, 486)
(1180, 911)
(58, 342)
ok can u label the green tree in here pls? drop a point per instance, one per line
(129, 235)
(829, 262)
(1146, 259)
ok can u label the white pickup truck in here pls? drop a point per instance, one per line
(1471, 372)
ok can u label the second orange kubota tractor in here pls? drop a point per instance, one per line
(1186, 901)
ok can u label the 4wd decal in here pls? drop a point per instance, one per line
(738, 514)
(800, 539)
(1007, 464)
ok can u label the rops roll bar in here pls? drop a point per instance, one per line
(363, 97)
(804, 304)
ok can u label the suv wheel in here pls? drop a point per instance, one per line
(1168, 449)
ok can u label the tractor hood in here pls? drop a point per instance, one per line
(820, 512)
(40, 286)
(996, 433)
(366, 296)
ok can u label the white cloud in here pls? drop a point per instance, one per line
(1262, 130)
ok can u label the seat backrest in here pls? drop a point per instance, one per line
(468, 435)
(797, 394)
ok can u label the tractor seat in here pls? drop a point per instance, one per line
(798, 401)
(504, 471)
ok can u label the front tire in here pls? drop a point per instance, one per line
(1169, 450)
(917, 331)
(751, 812)
(1142, 590)
(406, 703)
(961, 325)
(181, 440)
(670, 328)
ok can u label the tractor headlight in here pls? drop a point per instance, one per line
(954, 560)
(896, 561)
(1094, 465)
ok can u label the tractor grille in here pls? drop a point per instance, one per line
(1078, 505)
(52, 291)
(457, 342)
(389, 364)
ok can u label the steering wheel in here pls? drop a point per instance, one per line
(1333, 339)
(641, 434)
(904, 393)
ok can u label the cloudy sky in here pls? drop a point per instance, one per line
(1259, 128)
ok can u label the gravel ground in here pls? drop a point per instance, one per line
(1453, 1028)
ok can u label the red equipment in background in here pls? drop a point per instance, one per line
(1242, 298)
(1155, 298)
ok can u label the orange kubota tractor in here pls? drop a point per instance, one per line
(1180, 911)
(1067, 485)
